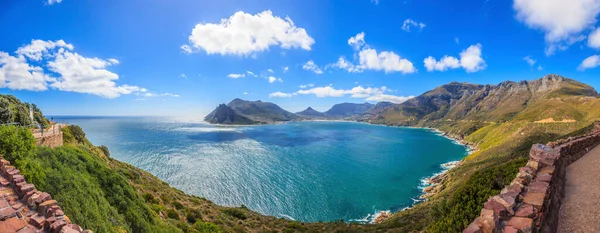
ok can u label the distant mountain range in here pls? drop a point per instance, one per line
(244, 112)
(451, 102)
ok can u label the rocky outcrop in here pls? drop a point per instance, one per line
(24, 209)
(531, 203)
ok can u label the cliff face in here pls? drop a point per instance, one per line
(491, 103)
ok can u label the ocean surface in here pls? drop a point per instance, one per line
(307, 171)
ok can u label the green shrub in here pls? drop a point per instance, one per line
(177, 205)
(207, 227)
(171, 213)
(236, 213)
(149, 198)
(192, 215)
(16, 143)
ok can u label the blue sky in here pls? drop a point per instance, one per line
(185, 57)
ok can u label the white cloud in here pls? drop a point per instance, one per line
(370, 59)
(375, 1)
(285, 69)
(273, 79)
(17, 74)
(457, 40)
(357, 41)
(66, 71)
(386, 61)
(529, 60)
(280, 95)
(36, 48)
(87, 75)
(245, 34)
(344, 64)
(50, 2)
(470, 60)
(408, 23)
(540, 67)
(447, 62)
(389, 98)
(589, 62)
(367, 93)
(594, 39)
(180, 75)
(562, 21)
(270, 71)
(245, 93)
(251, 74)
(151, 95)
(236, 76)
(310, 65)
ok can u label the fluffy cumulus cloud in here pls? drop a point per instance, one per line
(562, 21)
(594, 39)
(310, 65)
(589, 62)
(470, 60)
(367, 93)
(65, 70)
(357, 41)
(385, 60)
(409, 23)
(245, 34)
(369, 59)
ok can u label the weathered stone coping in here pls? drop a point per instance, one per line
(24, 209)
(531, 203)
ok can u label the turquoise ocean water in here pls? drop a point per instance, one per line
(307, 171)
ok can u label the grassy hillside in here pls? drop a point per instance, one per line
(503, 121)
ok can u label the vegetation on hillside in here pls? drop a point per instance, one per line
(502, 122)
(12, 110)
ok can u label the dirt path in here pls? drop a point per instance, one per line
(580, 211)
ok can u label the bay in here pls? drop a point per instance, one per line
(307, 171)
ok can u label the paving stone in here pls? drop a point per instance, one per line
(12, 225)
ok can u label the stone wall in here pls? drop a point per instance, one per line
(24, 209)
(531, 203)
(51, 140)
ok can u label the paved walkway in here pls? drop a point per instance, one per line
(580, 211)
